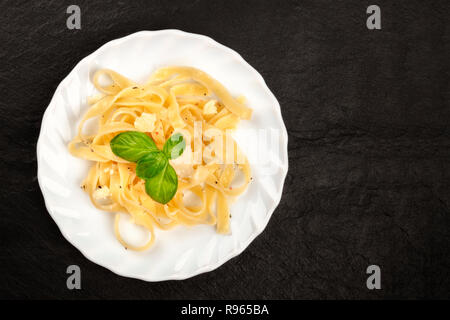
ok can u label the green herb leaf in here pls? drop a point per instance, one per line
(163, 186)
(151, 164)
(174, 146)
(132, 145)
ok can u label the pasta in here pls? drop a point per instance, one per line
(174, 99)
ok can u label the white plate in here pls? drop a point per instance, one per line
(181, 252)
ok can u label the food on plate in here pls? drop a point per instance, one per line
(163, 150)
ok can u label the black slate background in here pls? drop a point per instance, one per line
(367, 114)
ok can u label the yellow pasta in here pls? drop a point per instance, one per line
(174, 99)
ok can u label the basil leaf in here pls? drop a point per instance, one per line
(163, 186)
(174, 146)
(132, 145)
(151, 164)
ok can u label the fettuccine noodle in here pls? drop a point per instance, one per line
(174, 99)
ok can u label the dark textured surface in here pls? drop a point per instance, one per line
(369, 145)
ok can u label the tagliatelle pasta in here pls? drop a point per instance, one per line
(211, 172)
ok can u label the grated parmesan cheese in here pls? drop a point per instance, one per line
(210, 107)
(146, 122)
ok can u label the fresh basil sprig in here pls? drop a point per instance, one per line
(152, 164)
